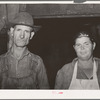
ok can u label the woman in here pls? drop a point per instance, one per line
(83, 71)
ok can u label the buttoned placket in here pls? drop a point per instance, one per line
(17, 61)
(17, 65)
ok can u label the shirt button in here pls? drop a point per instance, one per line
(17, 75)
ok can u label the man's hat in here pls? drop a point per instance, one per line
(24, 18)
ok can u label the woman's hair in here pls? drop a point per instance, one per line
(83, 34)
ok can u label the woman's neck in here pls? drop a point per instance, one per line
(86, 64)
(87, 67)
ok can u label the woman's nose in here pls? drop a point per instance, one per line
(82, 46)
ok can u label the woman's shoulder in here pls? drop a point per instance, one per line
(68, 67)
(97, 59)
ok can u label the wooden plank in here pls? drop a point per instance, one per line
(63, 10)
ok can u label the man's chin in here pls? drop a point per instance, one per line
(21, 45)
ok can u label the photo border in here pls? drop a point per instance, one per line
(49, 94)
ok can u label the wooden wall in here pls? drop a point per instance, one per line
(63, 10)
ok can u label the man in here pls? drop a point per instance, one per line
(21, 69)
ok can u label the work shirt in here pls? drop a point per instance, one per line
(65, 74)
(28, 72)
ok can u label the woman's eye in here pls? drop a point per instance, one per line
(86, 44)
(77, 45)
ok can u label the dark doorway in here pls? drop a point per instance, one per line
(54, 41)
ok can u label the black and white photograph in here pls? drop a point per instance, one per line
(49, 47)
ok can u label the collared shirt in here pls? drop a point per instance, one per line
(28, 72)
(81, 74)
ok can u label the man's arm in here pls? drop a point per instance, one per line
(42, 75)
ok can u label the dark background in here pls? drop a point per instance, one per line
(53, 42)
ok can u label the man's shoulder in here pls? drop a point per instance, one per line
(35, 57)
(3, 59)
(36, 61)
(3, 55)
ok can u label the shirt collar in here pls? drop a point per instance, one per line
(25, 53)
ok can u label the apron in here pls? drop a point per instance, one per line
(82, 84)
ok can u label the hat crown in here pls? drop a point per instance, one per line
(23, 18)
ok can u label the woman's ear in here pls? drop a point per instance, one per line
(74, 46)
(94, 45)
(32, 34)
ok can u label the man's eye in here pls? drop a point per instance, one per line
(77, 44)
(27, 31)
(18, 29)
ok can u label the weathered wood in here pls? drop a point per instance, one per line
(63, 10)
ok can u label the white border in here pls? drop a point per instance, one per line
(49, 94)
(48, 2)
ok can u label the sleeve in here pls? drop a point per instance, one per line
(2, 69)
(59, 80)
(42, 75)
(2, 64)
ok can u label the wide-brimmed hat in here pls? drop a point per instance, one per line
(24, 18)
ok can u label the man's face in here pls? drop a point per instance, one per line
(22, 34)
(84, 48)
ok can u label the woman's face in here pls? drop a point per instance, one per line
(84, 48)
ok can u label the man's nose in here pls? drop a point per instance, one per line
(22, 35)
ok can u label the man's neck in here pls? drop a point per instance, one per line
(18, 51)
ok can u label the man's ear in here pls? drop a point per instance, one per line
(11, 31)
(32, 34)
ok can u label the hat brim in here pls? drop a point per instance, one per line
(35, 27)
